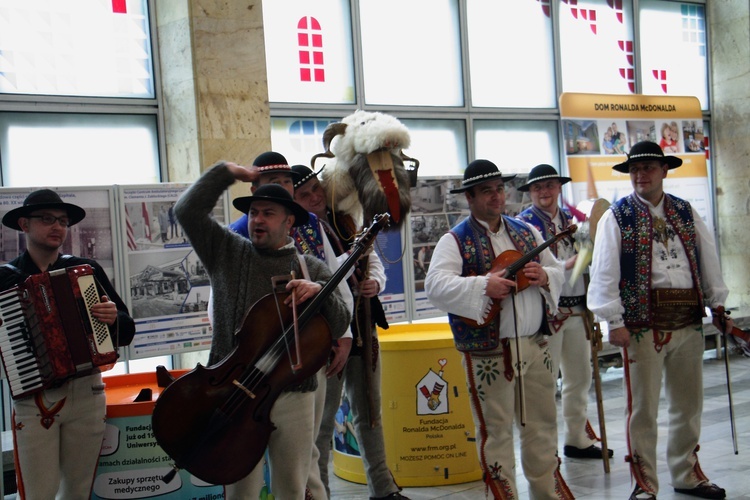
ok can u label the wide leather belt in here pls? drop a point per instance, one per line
(675, 308)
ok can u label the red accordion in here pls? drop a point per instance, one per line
(47, 332)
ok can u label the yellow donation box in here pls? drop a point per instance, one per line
(427, 423)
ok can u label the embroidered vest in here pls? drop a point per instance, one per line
(308, 239)
(636, 227)
(544, 223)
(477, 255)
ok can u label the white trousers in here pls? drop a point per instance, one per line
(571, 356)
(495, 405)
(290, 451)
(676, 358)
(57, 436)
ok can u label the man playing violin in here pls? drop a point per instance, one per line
(241, 272)
(654, 269)
(568, 344)
(505, 353)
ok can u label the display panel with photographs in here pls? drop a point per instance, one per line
(91, 238)
(599, 131)
(168, 286)
(390, 247)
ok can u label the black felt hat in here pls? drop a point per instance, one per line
(276, 194)
(272, 162)
(304, 174)
(38, 200)
(644, 151)
(542, 172)
(478, 172)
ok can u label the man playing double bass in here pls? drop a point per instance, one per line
(460, 281)
(241, 271)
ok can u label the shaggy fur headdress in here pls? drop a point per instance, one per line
(364, 172)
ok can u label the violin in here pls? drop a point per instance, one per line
(215, 421)
(513, 261)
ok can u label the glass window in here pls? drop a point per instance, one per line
(309, 51)
(439, 145)
(298, 139)
(411, 52)
(596, 47)
(76, 48)
(673, 49)
(511, 56)
(517, 146)
(58, 149)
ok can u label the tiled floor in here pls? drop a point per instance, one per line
(587, 479)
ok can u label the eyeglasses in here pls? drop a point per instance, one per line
(48, 219)
(646, 168)
(540, 186)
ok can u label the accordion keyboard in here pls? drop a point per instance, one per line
(17, 346)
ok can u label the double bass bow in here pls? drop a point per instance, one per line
(513, 261)
(215, 421)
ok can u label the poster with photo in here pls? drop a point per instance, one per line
(435, 210)
(599, 130)
(91, 238)
(168, 288)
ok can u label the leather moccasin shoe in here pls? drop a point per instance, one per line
(590, 452)
(704, 490)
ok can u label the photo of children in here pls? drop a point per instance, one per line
(613, 140)
(669, 140)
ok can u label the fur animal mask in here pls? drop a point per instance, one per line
(365, 173)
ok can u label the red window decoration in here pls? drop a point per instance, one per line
(661, 75)
(628, 73)
(545, 7)
(119, 6)
(310, 42)
(583, 14)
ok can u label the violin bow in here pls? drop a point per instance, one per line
(521, 392)
(721, 316)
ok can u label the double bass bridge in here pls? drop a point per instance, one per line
(244, 389)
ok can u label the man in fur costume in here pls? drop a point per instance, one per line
(361, 376)
(363, 174)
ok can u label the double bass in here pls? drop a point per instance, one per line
(215, 421)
